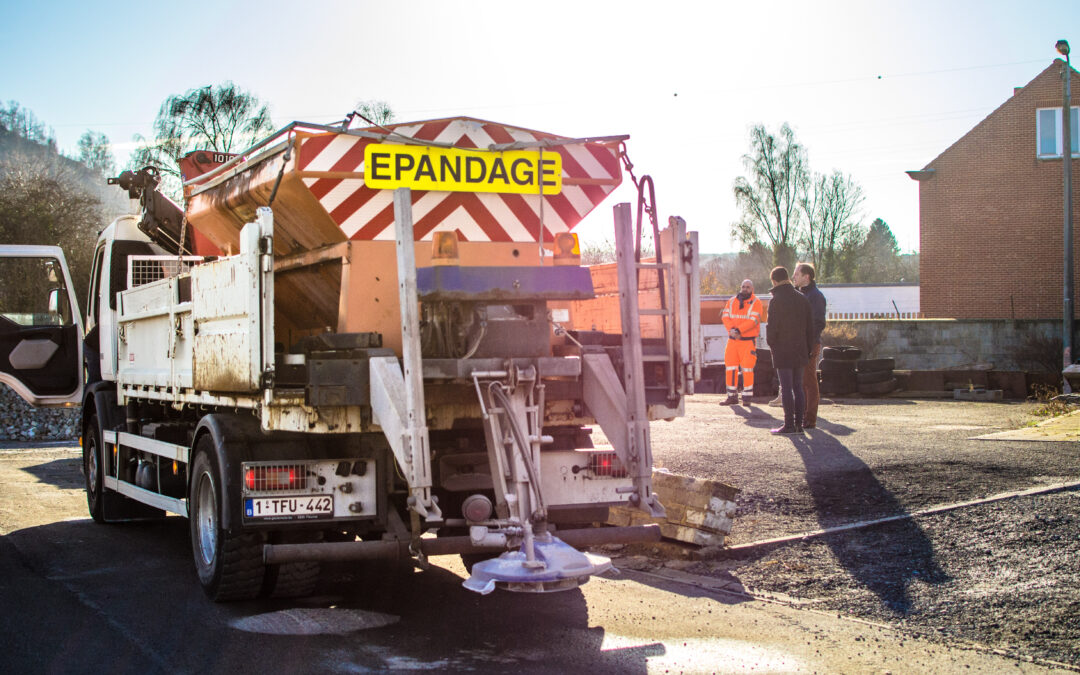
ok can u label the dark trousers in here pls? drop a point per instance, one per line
(810, 387)
(792, 395)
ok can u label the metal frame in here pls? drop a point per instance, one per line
(180, 261)
(397, 393)
(179, 453)
(158, 501)
(117, 439)
(639, 446)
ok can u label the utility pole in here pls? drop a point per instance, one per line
(1062, 47)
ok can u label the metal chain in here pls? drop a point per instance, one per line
(281, 173)
(627, 163)
(644, 204)
(183, 236)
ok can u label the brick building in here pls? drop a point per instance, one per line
(991, 211)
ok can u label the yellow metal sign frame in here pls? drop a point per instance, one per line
(388, 167)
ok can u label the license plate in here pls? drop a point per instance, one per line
(282, 508)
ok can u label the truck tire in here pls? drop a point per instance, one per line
(878, 388)
(837, 367)
(873, 377)
(764, 382)
(92, 470)
(229, 564)
(292, 580)
(874, 365)
(838, 383)
(107, 506)
(845, 353)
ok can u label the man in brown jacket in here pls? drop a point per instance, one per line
(803, 279)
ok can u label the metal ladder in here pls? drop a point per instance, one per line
(639, 451)
(646, 203)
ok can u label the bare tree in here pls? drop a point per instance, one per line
(224, 118)
(376, 112)
(831, 205)
(768, 196)
(43, 201)
(96, 153)
(603, 251)
(21, 122)
(724, 273)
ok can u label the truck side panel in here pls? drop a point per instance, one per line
(156, 328)
(226, 306)
(200, 330)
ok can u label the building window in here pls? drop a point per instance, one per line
(1048, 131)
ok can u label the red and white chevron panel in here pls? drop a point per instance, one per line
(363, 213)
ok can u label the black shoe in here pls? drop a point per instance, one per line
(785, 430)
(732, 399)
(746, 400)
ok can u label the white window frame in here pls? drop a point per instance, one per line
(1057, 131)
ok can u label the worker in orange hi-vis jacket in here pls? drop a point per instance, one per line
(743, 316)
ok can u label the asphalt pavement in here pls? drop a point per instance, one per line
(124, 598)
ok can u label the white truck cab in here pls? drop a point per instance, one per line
(108, 276)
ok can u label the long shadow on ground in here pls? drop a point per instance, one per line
(845, 490)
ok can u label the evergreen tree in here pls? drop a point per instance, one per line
(878, 255)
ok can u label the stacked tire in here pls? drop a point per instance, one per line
(874, 377)
(765, 383)
(838, 373)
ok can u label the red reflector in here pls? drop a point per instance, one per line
(261, 478)
(606, 464)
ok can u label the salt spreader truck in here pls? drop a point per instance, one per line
(354, 344)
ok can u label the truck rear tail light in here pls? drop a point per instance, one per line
(476, 508)
(267, 478)
(606, 465)
(567, 251)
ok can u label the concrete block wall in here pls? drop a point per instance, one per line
(932, 344)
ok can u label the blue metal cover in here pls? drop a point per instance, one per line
(504, 284)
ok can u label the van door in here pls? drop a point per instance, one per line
(40, 327)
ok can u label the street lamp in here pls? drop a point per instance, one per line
(1062, 47)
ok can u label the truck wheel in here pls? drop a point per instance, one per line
(229, 564)
(292, 580)
(92, 470)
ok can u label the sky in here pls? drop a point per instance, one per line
(872, 88)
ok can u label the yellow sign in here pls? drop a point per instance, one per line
(387, 167)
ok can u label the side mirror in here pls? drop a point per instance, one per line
(57, 307)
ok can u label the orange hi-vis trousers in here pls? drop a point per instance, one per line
(740, 356)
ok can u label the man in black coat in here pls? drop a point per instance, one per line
(790, 336)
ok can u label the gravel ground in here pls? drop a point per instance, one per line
(1004, 575)
(19, 421)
